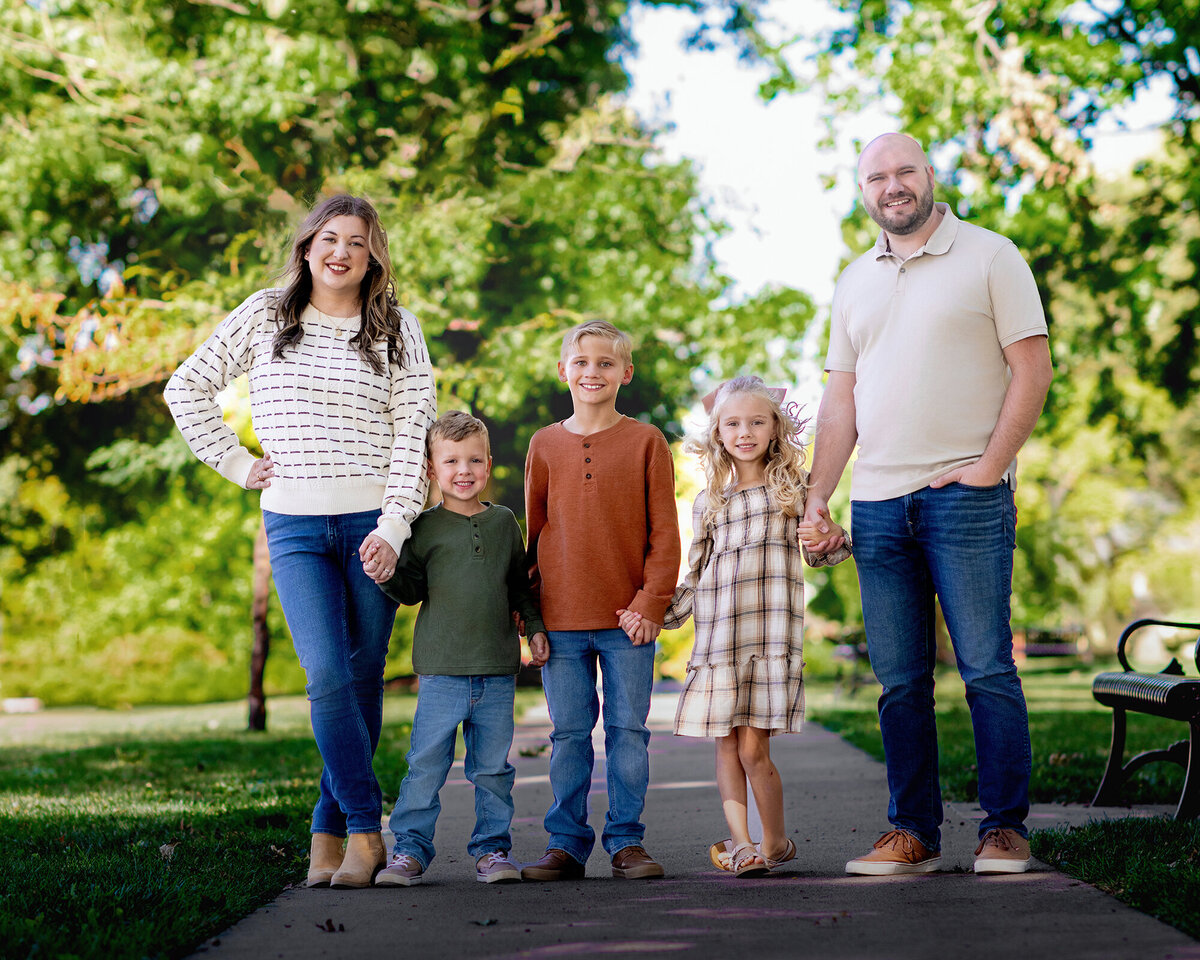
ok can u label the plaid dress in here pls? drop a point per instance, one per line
(745, 587)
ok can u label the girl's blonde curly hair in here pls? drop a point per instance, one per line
(786, 478)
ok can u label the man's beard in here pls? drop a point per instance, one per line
(901, 225)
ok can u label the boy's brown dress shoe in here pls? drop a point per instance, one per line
(555, 865)
(634, 863)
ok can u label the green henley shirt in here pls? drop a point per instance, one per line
(469, 574)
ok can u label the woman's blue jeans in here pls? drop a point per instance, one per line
(569, 678)
(957, 543)
(484, 707)
(340, 623)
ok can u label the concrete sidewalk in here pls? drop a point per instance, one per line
(836, 801)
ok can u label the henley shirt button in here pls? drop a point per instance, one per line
(587, 459)
(589, 476)
(902, 269)
(586, 445)
(476, 549)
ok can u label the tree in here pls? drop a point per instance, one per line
(1006, 98)
(158, 152)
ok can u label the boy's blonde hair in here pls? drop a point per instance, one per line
(786, 478)
(622, 345)
(454, 426)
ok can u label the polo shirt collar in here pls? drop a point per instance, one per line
(938, 243)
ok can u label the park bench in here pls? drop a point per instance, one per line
(853, 664)
(1167, 694)
(1047, 641)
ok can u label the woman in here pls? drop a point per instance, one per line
(341, 397)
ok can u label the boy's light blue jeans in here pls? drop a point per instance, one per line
(340, 623)
(956, 542)
(569, 678)
(484, 707)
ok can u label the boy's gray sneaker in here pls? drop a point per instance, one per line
(495, 867)
(403, 871)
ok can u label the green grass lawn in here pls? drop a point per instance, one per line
(1152, 864)
(154, 829)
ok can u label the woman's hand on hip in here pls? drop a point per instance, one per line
(378, 558)
(261, 472)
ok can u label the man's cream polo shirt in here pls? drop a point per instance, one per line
(925, 339)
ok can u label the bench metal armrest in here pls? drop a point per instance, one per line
(1174, 666)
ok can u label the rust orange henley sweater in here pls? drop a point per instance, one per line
(602, 523)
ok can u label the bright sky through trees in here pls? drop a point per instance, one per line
(759, 162)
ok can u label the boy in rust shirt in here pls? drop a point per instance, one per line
(603, 537)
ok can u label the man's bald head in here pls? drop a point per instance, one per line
(892, 145)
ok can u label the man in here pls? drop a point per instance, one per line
(938, 369)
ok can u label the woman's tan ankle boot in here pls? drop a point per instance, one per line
(324, 858)
(364, 858)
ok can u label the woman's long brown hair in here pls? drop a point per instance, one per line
(378, 303)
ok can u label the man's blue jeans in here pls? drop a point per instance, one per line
(484, 707)
(957, 543)
(569, 678)
(340, 623)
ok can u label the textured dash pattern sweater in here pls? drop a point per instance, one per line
(603, 526)
(344, 439)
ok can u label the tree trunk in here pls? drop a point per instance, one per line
(262, 635)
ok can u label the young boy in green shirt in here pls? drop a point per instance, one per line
(465, 563)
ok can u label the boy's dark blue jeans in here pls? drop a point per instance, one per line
(569, 678)
(484, 707)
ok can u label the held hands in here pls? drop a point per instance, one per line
(378, 559)
(539, 643)
(539, 649)
(640, 630)
(261, 472)
(816, 532)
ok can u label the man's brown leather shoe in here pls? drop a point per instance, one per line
(634, 863)
(555, 865)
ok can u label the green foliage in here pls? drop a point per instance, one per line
(123, 844)
(1152, 864)
(152, 609)
(157, 155)
(1010, 130)
(602, 231)
(1007, 99)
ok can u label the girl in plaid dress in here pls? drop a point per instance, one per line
(745, 587)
